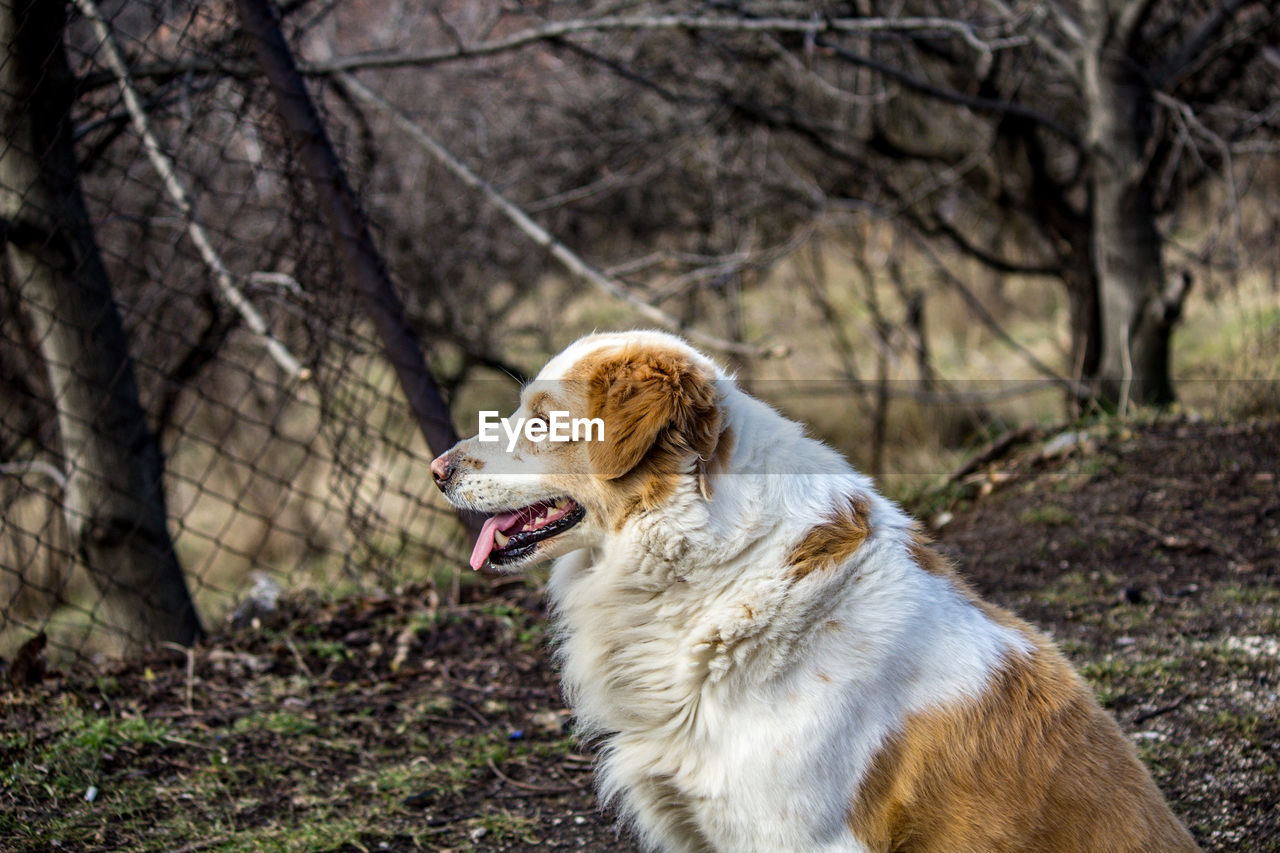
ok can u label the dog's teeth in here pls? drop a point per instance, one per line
(501, 538)
(563, 503)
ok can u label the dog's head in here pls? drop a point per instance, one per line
(611, 428)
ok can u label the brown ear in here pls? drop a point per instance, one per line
(657, 406)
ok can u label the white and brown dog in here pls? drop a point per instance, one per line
(770, 653)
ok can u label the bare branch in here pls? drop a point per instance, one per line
(941, 227)
(178, 194)
(36, 466)
(557, 30)
(938, 226)
(803, 72)
(558, 250)
(1069, 25)
(1192, 125)
(615, 23)
(911, 390)
(987, 319)
(973, 102)
(726, 265)
(1199, 40)
(1065, 60)
(163, 70)
(1131, 19)
(611, 182)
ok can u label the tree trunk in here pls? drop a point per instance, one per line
(114, 501)
(1137, 308)
(1086, 322)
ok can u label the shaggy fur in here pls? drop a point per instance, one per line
(770, 654)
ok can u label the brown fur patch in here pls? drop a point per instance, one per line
(718, 462)
(539, 403)
(1034, 765)
(832, 542)
(661, 413)
(724, 450)
(927, 557)
(657, 406)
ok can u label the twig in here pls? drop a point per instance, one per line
(802, 71)
(1163, 709)
(190, 744)
(558, 250)
(1166, 540)
(178, 194)
(280, 280)
(1183, 112)
(908, 390)
(1207, 540)
(993, 451)
(35, 466)
(191, 672)
(726, 265)
(196, 846)
(926, 87)
(525, 786)
(1069, 28)
(1198, 40)
(297, 656)
(559, 29)
(1126, 382)
(479, 718)
(450, 721)
(989, 320)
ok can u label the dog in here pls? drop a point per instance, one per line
(769, 654)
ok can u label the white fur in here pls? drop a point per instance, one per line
(737, 709)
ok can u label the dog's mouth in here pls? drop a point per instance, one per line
(509, 537)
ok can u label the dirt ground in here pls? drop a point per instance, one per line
(1151, 553)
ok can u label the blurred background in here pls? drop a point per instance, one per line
(914, 225)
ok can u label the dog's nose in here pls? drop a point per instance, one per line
(442, 469)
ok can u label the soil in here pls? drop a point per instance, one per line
(1152, 555)
(393, 722)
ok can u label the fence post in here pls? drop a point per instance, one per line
(114, 494)
(347, 224)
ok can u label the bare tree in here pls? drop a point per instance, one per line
(1061, 141)
(113, 492)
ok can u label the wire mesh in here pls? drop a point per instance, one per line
(657, 163)
(318, 479)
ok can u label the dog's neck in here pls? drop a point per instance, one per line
(774, 484)
(702, 575)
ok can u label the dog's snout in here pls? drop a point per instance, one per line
(443, 469)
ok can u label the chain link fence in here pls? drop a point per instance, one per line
(290, 458)
(182, 337)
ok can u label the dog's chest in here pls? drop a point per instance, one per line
(690, 738)
(755, 717)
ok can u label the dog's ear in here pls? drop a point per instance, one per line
(658, 408)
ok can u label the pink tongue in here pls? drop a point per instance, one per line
(485, 541)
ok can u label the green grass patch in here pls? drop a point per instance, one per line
(1048, 515)
(1114, 675)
